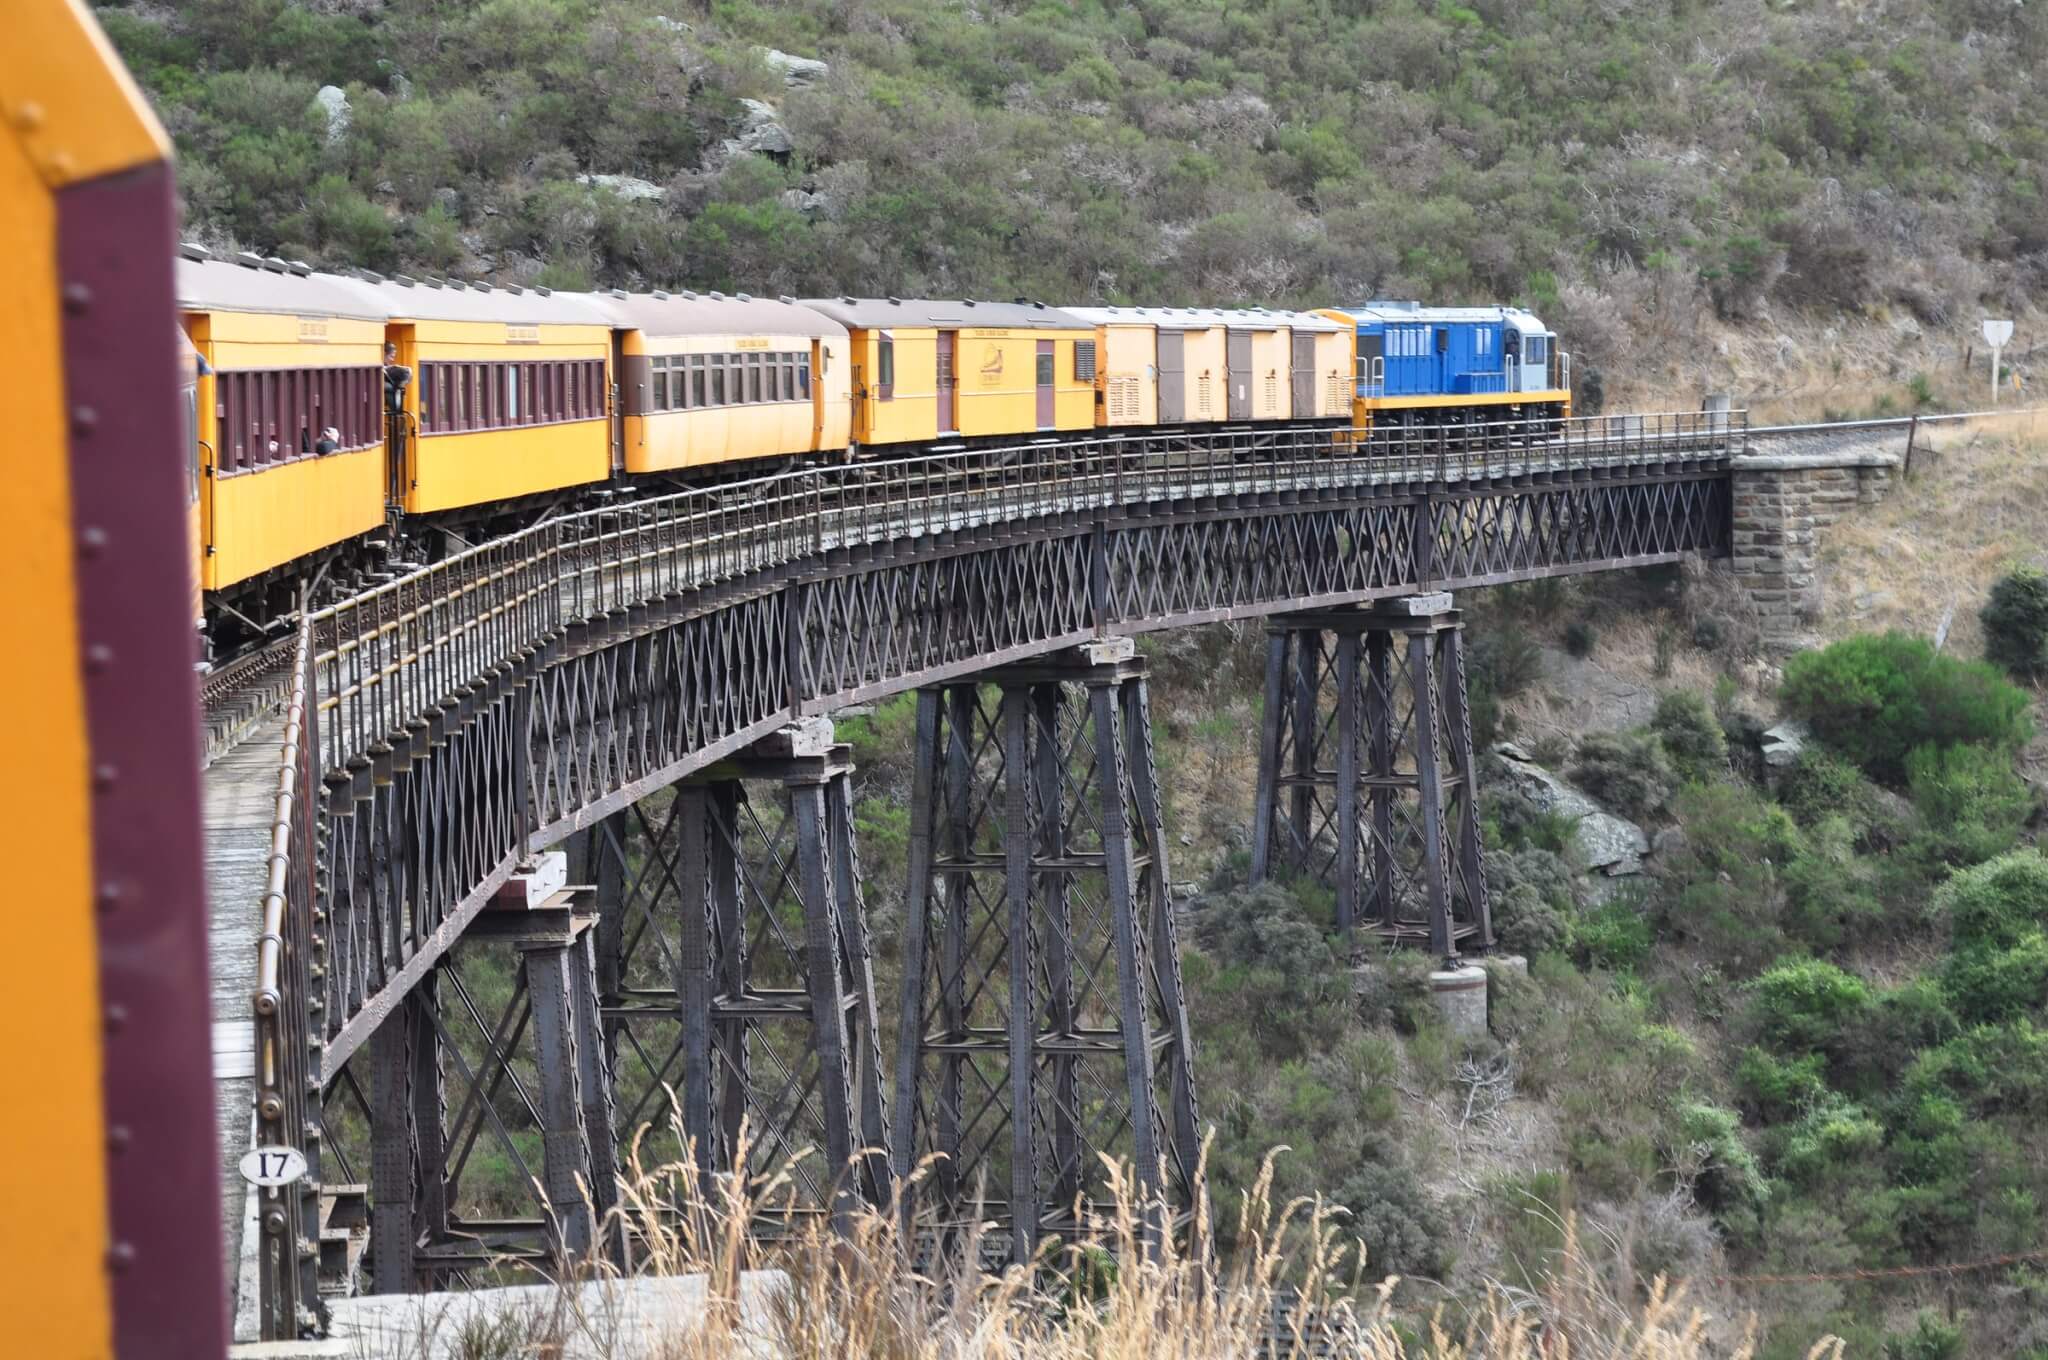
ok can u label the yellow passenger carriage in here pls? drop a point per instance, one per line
(292, 355)
(925, 370)
(509, 396)
(708, 380)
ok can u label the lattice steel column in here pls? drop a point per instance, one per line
(1043, 1021)
(1365, 770)
(747, 979)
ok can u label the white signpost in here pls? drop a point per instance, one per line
(1996, 333)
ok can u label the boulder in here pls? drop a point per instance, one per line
(1784, 744)
(803, 201)
(796, 71)
(761, 134)
(625, 186)
(333, 101)
(1611, 844)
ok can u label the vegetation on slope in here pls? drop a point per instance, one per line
(1628, 168)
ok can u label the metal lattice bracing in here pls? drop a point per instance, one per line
(736, 971)
(497, 1048)
(1366, 781)
(1043, 1024)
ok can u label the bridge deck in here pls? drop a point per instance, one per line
(241, 805)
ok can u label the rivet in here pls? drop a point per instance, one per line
(98, 657)
(120, 1256)
(118, 1138)
(29, 116)
(110, 895)
(117, 1016)
(77, 297)
(103, 776)
(91, 539)
(59, 162)
(84, 419)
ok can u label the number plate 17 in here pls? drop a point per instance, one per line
(273, 1166)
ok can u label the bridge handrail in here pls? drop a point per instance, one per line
(286, 1067)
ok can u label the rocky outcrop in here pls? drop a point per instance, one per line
(796, 71)
(625, 186)
(1784, 744)
(1606, 843)
(761, 133)
(333, 102)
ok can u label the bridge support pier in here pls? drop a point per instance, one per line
(1366, 780)
(418, 1154)
(1043, 1020)
(744, 974)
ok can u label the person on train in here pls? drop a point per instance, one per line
(397, 377)
(329, 441)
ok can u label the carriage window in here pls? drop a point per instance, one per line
(803, 377)
(658, 399)
(696, 380)
(885, 365)
(717, 363)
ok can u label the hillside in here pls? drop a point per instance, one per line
(1661, 178)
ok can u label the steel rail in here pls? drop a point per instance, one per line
(1896, 422)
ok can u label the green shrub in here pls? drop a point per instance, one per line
(1691, 735)
(1779, 1088)
(1820, 784)
(1581, 638)
(1834, 1135)
(1276, 979)
(1930, 1339)
(1998, 904)
(1615, 934)
(1403, 1229)
(1626, 771)
(1726, 888)
(1875, 699)
(1532, 894)
(1986, 983)
(1990, 1069)
(1730, 1184)
(1807, 1006)
(2016, 623)
(1972, 803)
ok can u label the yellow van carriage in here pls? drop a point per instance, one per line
(929, 370)
(509, 396)
(288, 355)
(711, 380)
(1171, 366)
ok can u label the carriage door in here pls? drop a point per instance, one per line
(1173, 378)
(949, 380)
(1045, 384)
(1239, 354)
(1305, 376)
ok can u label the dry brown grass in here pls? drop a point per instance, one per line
(1931, 550)
(861, 1292)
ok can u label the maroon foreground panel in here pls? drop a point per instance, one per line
(116, 241)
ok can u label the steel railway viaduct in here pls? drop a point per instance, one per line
(603, 748)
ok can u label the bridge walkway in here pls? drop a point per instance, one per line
(241, 809)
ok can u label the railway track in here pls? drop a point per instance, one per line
(236, 697)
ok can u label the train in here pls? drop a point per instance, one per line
(352, 423)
